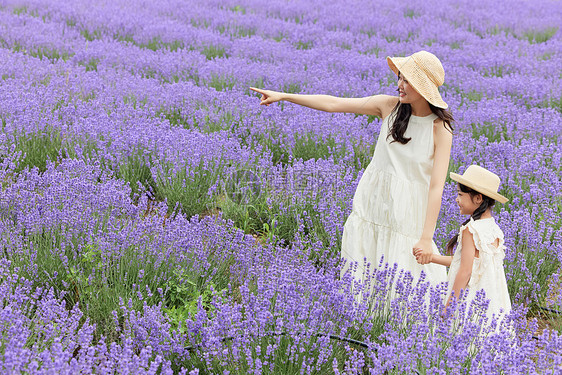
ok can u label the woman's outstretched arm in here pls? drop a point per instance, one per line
(443, 140)
(376, 105)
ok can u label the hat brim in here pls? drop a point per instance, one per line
(430, 91)
(492, 194)
(394, 62)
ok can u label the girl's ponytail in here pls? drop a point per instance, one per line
(487, 202)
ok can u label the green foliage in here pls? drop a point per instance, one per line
(252, 215)
(305, 45)
(472, 96)
(155, 43)
(91, 65)
(243, 32)
(540, 264)
(216, 120)
(135, 170)
(175, 117)
(289, 356)
(175, 45)
(346, 46)
(258, 83)
(555, 103)
(20, 10)
(494, 71)
(368, 32)
(497, 29)
(221, 83)
(272, 140)
(372, 51)
(257, 208)
(212, 52)
(363, 154)
(100, 281)
(227, 121)
(391, 38)
(125, 38)
(410, 13)
(50, 54)
(238, 9)
(48, 144)
(494, 132)
(46, 80)
(535, 37)
(37, 148)
(187, 188)
(293, 88)
(91, 35)
(311, 146)
(288, 352)
(132, 100)
(185, 294)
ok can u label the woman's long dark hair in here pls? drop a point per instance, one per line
(402, 116)
(487, 202)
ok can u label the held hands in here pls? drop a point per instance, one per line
(267, 96)
(423, 251)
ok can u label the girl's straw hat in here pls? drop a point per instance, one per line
(481, 180)
(424, 72)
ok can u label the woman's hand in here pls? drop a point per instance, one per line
(268, 96)
(418, 255)
(423, 251)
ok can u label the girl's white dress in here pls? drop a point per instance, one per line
(487, 270)
(390, 203)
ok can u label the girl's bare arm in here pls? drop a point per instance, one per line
(467, 259)
(444, 260)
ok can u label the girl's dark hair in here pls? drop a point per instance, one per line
(487, 202)
(402, 116)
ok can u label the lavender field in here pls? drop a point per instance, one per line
(155, 219)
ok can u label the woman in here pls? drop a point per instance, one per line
(397, 201)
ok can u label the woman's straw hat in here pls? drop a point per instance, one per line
(424, 72)
(481, 180)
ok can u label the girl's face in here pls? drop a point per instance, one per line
(467, 203)
(407, 93)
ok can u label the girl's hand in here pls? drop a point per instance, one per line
(268, 96)
(423, 251)
(418, 255)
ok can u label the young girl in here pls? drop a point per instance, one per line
(478, 260)
(397, 201)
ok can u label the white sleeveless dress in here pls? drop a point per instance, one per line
(390, 204)
(487, 270)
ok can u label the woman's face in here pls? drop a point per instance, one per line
(408, 94)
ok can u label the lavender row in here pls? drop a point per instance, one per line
(156, 95)
(236, 54)
(256, 302)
